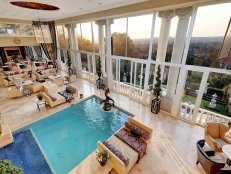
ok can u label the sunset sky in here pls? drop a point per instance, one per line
(210, 21)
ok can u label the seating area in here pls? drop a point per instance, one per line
(115, 87)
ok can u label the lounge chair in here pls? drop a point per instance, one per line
(121, 166)
(54, 99)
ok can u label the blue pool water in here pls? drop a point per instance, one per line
(69, 136)
(26, 154)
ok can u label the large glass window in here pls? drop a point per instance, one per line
(208, 35)
(60, 35)
(84, 62)
(118, 32)
(16, 30)
(78, 36)
(67, 41)
(139, 32)
(87, 36)
(125, 71)
(96, 36)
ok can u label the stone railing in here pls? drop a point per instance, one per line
(205, 115)
(186, 110)
(128, 90)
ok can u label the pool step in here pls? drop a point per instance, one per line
(6, 136)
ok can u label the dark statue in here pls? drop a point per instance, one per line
(107, 104)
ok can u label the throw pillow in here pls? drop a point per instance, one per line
(117, 153)
(138, 130)
(7, 79)
(135, 134)
(52, 97)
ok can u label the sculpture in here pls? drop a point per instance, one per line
(213, 104)
(107, 104)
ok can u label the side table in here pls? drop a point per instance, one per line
(40, 103)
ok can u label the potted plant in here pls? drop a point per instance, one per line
(68, 63)
(155, 105)
(102, 157)
(40, 96)
(7, 168)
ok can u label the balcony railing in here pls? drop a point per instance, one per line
(203, 115)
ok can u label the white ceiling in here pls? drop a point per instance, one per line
(68, 8)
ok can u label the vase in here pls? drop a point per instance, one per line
(102, 163)
(155, 106)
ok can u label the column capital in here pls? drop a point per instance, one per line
(103, 22)
(68, 26)
(168, 14)
(183, 12)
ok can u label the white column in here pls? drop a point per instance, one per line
(166, 17)
(108, 52)
(77, 58)
(100, 24)
(178, 48)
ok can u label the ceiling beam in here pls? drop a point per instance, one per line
(14, 21)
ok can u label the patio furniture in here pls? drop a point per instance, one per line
(53, 99)
(50, 87)
(36, 87)
(119, 164)
(40, 103)
(71, 78)
(57, 79)
(8, 81)
(227, 151)
(215, 135)
(211, 162)
(14, 92)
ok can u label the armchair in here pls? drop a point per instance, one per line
(215, 135)
(211, 162)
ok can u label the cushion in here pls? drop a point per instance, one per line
(7, 79)
(117, 153)
(223, 129)
(70, 89)
(39, 72)
(133, 132)
(41, 80)
(138, 130)
(213, 129)
(52, 97)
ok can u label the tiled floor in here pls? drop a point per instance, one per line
(173, 147)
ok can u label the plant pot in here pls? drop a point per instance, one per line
(155, 106)
(102, 163)
(40, 98)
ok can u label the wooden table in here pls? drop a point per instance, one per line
(102, 169)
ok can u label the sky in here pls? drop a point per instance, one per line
(210, 21)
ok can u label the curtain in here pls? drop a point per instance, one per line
(50, 49)
(38, 50)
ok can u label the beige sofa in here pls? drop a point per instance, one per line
(215, 135)
(14, 92)
(59, 99)
(44, 73)
(36, 87)
(125, 149)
